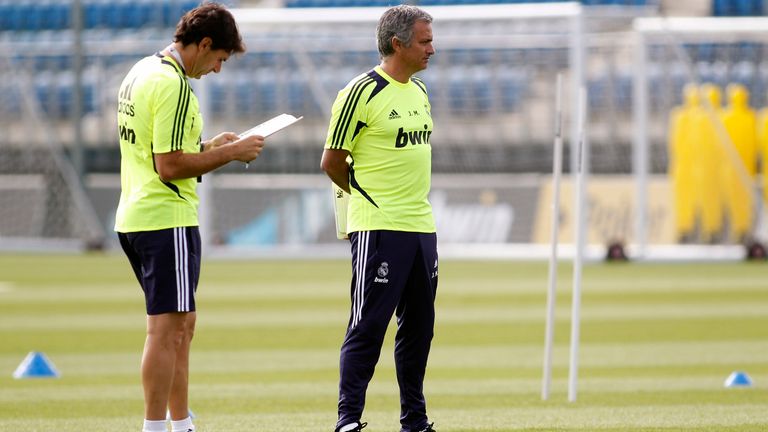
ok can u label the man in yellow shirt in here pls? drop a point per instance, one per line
(162, 155)
(382, 121)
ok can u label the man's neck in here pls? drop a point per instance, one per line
(184, 54)
(395, 70)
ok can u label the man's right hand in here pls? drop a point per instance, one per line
(247, 149)
(179, 165)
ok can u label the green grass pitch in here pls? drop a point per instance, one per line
(658, 341)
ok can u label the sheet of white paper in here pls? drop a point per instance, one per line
(271, 126)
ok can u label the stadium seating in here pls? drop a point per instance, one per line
(737, 7)
(258, 88)
(45, 21)
(358, 3)
(468, 82)
(38, 15)
(719, 7)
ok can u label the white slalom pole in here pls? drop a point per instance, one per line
(557, 170)
(579, 227)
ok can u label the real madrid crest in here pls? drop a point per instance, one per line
(383, 269)
(382, 273)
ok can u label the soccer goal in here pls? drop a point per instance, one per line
(492, 90)
(491, 84)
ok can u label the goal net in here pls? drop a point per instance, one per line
(492, 91)
(491, 84)
(43, 205)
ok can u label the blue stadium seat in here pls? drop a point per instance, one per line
(623, 86)
(457, 89)
(14, 12)
(63, 95)
(482, 56)
(296, 3)
(28, 16)
(706, 52)
(241, 91)
(5, 18)
(58, 15)
(91, 15)
(112, 15)
(722, 8)
(98, 14)
(36, 16)
(747, 7)
(55, 93)
(218, 97)
(267, 100)
(597, 89)
(514, 85)
(264, 99)
(298, 94)
(267, 59)
(188, 5)
(129, 13)
(43, 84)
(171, 11)
(482, 98)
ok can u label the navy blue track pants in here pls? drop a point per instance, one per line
(392, 272)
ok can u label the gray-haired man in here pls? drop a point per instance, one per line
(382, 120)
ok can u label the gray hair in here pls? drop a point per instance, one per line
(398, 22)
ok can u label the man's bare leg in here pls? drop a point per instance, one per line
(165, 336)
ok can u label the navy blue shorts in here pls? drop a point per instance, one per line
(167, 264)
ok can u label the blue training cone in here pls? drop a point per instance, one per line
(36, 365)
(738, 379)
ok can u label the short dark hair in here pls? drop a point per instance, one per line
(210, 20)
(398, 22)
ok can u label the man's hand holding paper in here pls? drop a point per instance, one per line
(268, 128)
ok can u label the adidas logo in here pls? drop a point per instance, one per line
(394, 115)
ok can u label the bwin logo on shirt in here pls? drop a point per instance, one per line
(382, 273)
(412, 137)
(127, 134)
